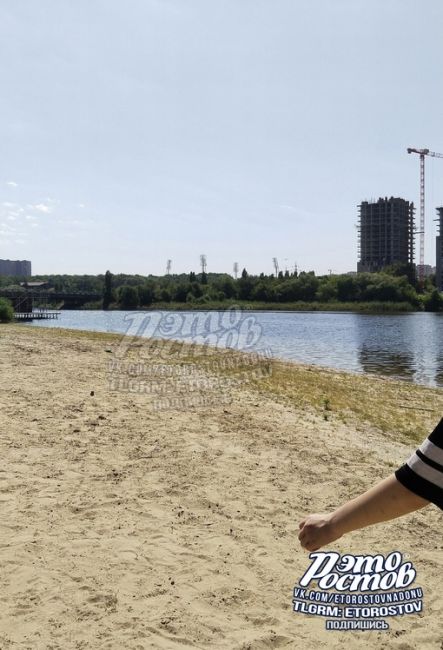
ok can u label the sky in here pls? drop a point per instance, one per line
(139, 131)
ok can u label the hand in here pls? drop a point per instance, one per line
(316, 531)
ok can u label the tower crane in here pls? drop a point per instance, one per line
(422, 153)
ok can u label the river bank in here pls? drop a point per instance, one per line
(374, 307)
(152, 499)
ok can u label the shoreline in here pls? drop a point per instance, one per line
(130, 526)
(292, 381)
(353, 371)
(364, 307)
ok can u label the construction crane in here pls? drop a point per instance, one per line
(203, 263)
(422, 153)
(275, 263)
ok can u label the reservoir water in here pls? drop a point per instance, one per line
(404, 346)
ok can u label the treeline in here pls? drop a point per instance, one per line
(396, 285)
(303, 287)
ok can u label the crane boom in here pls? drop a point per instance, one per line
(425, 152)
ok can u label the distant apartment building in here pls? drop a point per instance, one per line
(386, 233)
(427, 270)
(15, 267)
(439, 251)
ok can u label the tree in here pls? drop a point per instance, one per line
(165, 295)
(6, 311)
(181, 291)
(245, 285)
(263, 291)
(228, 287)
(145, 294)
(327, 291)
(433, 301)
(128, 297)
(307, 285)
(107, 293)
(399, 269)
(347, 288)
(196, 289)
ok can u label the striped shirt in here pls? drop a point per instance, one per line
(423, 472)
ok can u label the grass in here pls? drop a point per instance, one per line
(400, 409)
(364, 307)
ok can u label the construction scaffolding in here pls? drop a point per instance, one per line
(385, 233)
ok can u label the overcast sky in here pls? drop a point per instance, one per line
(138, 131)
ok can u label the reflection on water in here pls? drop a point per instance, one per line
(384, 362)
(406, 346)
(383, 345)
(439, 369)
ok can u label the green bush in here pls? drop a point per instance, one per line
(128, 297)
(6, 311)
(433, 301)
(201, 300)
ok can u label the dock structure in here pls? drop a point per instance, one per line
(49, 302)
(35, 315)
(24, 299)
(24, 310)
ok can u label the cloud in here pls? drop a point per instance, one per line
(81, 205)
(12, 184)
(41, 207)
(7, 231)
(7, 226)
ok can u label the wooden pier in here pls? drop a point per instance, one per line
(33, 315)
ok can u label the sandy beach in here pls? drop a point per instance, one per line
(140, 518)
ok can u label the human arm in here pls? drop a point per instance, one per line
(386, 500)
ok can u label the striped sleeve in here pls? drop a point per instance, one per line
(423, 472)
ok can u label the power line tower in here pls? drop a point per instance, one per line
(168, 267)
(235, 270)
(275, 263)
(422, 153)
(203, 263)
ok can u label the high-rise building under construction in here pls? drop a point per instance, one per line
(386, 233)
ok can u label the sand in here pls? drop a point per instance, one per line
(127, 526)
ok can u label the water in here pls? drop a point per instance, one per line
(405, 346)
